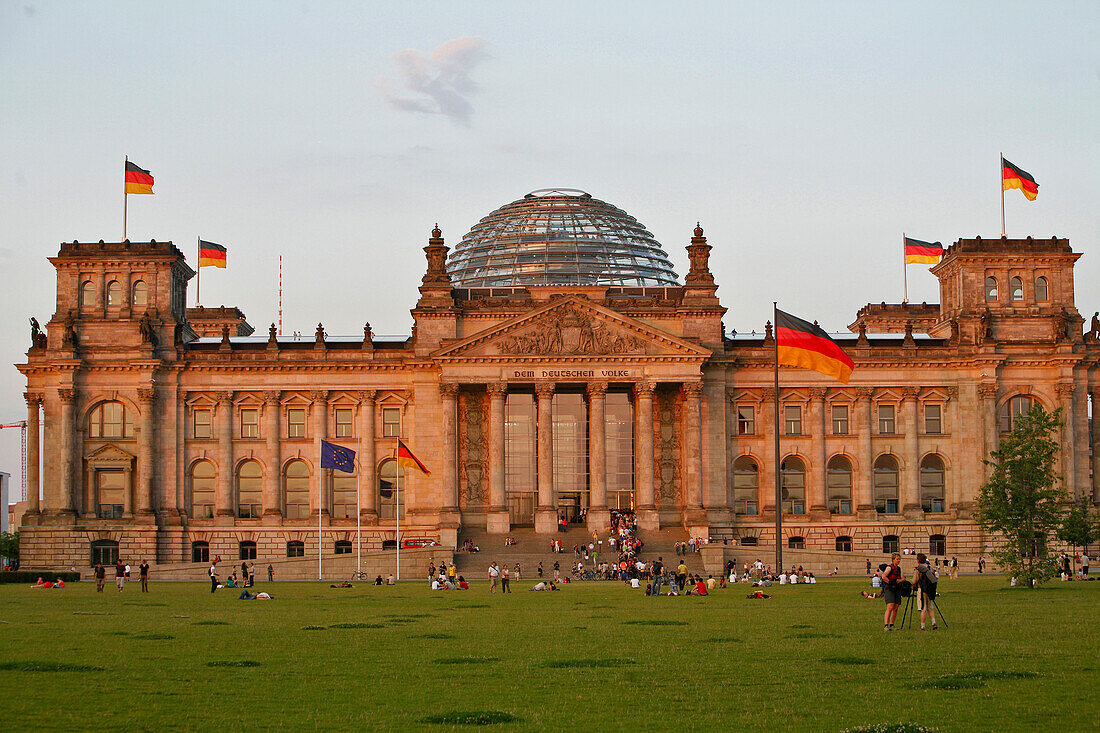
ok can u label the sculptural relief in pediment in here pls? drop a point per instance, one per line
(570, 331)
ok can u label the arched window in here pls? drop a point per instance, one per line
(114, 293)
(200, 551)
(796, 543)
(1012, 409)
(839, 484)
(746, 482)
(886, 484)
(991, 289)
(202, 490)
(343, 547)
(295, 548)
(1042, 291)
(87, 294)
(246, 550)
(296, 490)
(937, 544)
(844, 543)
(249, 481)
(110, 420)
(748, 541)
(343, 495)
(387, 490)
(932, 483)
(794, 485)
(1016, 289)
(140, 297)
(890, 544)
(104, 552)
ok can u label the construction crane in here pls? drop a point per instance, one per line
(22, 425)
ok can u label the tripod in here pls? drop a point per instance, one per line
(907, 614)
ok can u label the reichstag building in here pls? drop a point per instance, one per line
(558, 367)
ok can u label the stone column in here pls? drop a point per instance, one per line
(818, 508)
(34, 404)
(449, 396)
(599, 518)
(223, 487)
(648, 515)
(953, 489)
(68, 452)
(143, 489)
(497, 522)
(1064, 390)
(693, 450)
(319, 418)
(1096, 447)
(765, 488)
(865, 486)
(910, 489)
(546, 516)
(273, 507)
(368, 462)
(987, 399)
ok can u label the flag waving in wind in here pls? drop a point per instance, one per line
(1016, 177)
(337, 457)
(916, 251)
(211, 255)
(406, 458)
(806, 345)
(138, 180)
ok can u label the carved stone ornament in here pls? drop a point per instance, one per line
(448, 391)
(953, 392)
(693, 390)
(544, 391)
(596, 388)
(818, 393)
(224, 397)
(146, 394)
(864, 394)
(497, 389)
(367, 395)
(34, 399)
(67, 395)
(570, 331)
(988, 390)
(1065, 389)
(319, 395)
(645, 389)
(272, 398)
(910, 393)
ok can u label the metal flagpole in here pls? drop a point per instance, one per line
(397, 510)
(125, 197)
(904, 272)
(358, 535)
(1002, 195)
(320, 503)
(778, 483)
(198, 269)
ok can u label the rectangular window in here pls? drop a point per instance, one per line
(933, 425)
(250, 422)
(343, 422)
(391, 422)
(296, 422)
(793, 419)
(746, 420)
(201, 421)
(885, 419)
(840, 419)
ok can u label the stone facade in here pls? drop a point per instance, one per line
(171, 437)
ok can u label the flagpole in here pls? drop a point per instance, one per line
(397, 510)
(778, 482)
(125, 198)
(320, 506)
(904, 272)
(198, 269)
(1002, 195)
(358, 531)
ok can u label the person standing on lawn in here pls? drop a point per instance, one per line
(100, 577)
(143, 574)
(891, 577)
(120, 575)
(270, 573)
(494, 574)
(658, 570)
(504, 578)
(213, 577)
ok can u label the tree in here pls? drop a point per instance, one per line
(1079, 527)
(9, 545)
(1022, 502)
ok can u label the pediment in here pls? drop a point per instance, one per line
(571, 327)
(109, 454)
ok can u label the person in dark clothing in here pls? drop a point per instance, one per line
(143, 574)
(213, 577)
(100, 577)
(120, 575)
(270, 573)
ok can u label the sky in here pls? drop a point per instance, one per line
(806, 138)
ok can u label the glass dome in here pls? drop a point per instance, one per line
(559, 236)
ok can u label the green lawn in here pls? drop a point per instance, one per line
(594, 656)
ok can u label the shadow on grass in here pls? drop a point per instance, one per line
(236, 663)
(358, 625)
(465, 660)
(891, 728)
(47, 667)
(314, 628)
(585, 663)
(209, 623)
(848, 660)
(813, 635)
(477, 717)
(433, 636)
(154, 636)
(971, 680)
(655, 622)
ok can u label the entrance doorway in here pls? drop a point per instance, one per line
(521, 509)
(570, 505)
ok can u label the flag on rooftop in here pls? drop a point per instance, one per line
(211, 255)
(917, 251)
(138, 180)
(1016, 177)
(806, 345)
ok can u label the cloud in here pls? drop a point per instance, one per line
(437, 84)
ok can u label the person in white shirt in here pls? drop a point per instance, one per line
(794, 579)
(435, 585)
(782, 578)
(635, 583)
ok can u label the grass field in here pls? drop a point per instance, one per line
(594, 656)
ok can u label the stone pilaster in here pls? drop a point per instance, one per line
(448, 394)
(765, 489)
(319, 496)
(599, 518)
(545, 515)
(143, 487)
(987, 399)
(497, 521)
(865, 476)
(695, 518)
(910, 489)
(648, 516)
(1096, 447)
(223, 486)
(34, 406)
(1065, 390)
(819, 509)
(68, 453)
(368, 462)
(273, 507)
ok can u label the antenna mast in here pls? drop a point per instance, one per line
(280, 295)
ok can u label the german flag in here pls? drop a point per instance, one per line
(211, 255)
(407, 459)
(138, 180)
(806, 345)
(1015, 177)
(928, 253)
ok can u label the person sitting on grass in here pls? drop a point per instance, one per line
(378, 580)
(673, 588)
(701, 586)
(462, 584)
(390, 580)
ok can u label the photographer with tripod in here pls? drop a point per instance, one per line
(891, 592)
(924, 581)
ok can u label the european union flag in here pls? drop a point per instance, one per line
(337, 457)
